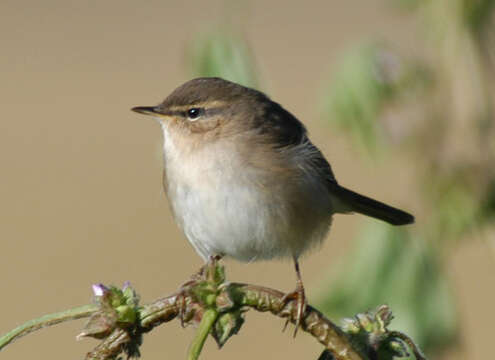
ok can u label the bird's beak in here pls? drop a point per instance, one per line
(146, 110)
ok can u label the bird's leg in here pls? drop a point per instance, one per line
(209, 267)
(194, 280)
(200, 274)
(297, 295)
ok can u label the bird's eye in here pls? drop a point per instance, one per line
(195, 113)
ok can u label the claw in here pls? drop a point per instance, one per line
(300, 298)
(181, 298)
(286, 324)
(185, 288)
(182, 309)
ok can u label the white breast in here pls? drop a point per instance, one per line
(221, 208)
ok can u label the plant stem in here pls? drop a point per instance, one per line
(209, 318)
(47, 320)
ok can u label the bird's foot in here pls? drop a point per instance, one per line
(182, 295)
(196, 278)
(299, 297)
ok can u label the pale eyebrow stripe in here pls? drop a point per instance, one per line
(203, 104)
(214, 110)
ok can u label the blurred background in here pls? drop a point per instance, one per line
(396, 93)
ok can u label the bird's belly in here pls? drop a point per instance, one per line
(245, 222)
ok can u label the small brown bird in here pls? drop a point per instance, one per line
(244, 180)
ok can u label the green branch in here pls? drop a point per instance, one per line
(45, 321)
(204, 329)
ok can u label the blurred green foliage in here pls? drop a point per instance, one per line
(224, 53)
(397, 266)
(388, 265)
(456, 208)
(367, 79)
(477, 13)
(357, 95)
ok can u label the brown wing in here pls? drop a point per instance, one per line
(281, 126)
(287, 131)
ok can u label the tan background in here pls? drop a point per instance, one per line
(81, 199)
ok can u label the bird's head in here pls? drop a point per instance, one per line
(208, 106)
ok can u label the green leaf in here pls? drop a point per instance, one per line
(227, 325)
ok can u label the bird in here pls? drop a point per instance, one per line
(244, 180)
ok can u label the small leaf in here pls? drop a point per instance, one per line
(99, 325)
(227, 325)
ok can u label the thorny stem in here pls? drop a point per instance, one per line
(45, 321)
(262, 299)
(315, 323)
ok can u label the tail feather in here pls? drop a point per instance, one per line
(367, 206)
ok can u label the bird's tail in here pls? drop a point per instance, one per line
(367, 206)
